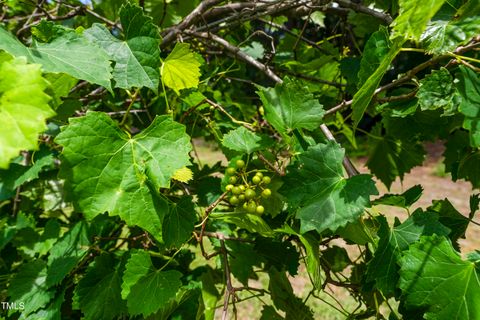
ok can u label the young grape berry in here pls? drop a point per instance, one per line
(240, 164)
(231, 171)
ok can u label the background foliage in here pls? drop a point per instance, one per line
(108, 212)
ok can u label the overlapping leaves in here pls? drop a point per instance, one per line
(137, 57)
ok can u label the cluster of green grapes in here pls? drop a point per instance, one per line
(248, 194)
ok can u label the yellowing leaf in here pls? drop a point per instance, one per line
(183, 175)
(23, 108)
(181, 70)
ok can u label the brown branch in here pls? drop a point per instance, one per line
(237, 53)
(270, 165)
(349, 167)
(386, 18)
(204, 225)
(192, 18)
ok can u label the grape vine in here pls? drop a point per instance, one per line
(205, 159)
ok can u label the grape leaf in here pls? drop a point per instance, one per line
(29, 286)
(434, 276)
(377, 46)
(442, 36)
(461, 160)
(138, 265)
(179, 222)
(251, 222)
(122, 175)
(404, 200)
(181, 69)
(312, 258)
(98, 292)
(89, 62)
(150, 289)
(23, 108)
(383, 268)
(52, 311)
(34, 170)
(67, 253)
(414, 16)
(437, 91)
(364, 95)
(280, 254)
(284, 298)
(390, 158)
(137, 57)
(451, 218)
(245, 141)
(290, 105)
(469, 88)
(324, 198)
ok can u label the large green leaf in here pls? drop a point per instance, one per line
(364, 96)
(181, 69)
(23, 108)
(245, 141)
(414, 16)
(324, 198)
(67, 253)
(434, 276)
(137, 57)
(122, 175)
(442, 36)
(148, 289)
(469, 88)
(29, 286)
(377, 47)
(437, 91)
(70, 53)
(98, 292)
(383, 268)
(290, 105)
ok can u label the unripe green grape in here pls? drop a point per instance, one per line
(250, 194)
(245, 205)
(266, 193)
(229, 187)
(231, 171)
(242, 187)
(260, 209)
(251, 207)
(240, 164)
(259, 174)
(241, 197)
(256, 179)
(233, 200)
(266, 180)
(232, 179)
(236, 190)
